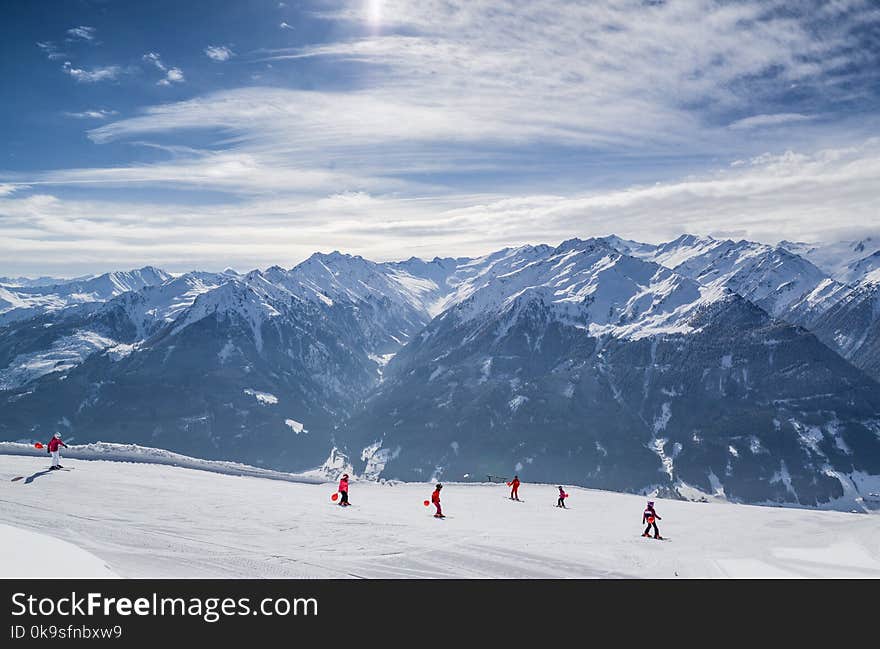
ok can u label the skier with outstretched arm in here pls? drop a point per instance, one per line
(343, 490)
(514, 487)
(435, 498)
(53, 450)
(649, 516)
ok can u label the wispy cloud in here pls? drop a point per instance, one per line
(51, 50)
(759, 121)
(825, 195)
(82, 33)
(439, 90)
(99, 113)
(172, 74)
(104, 73)
(621, 78)
(218, 52)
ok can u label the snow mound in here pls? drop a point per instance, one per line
(147, 455)
(30, 555)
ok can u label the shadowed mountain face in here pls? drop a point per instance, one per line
(608, 363)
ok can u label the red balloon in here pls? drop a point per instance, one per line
(650, 519)
(509, 483)
(334, 497)
(427, 503)
(38, 445)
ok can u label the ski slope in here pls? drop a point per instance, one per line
(153, 520)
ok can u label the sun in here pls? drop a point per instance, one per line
(374, 11)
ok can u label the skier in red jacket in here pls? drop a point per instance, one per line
(343, 489)
(435, 498)
(562, 497)
(649, 516)
(514, 486)
(52, 449)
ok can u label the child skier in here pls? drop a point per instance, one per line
(562, 497)
(435, 498)
(52, 449)
(649, 516)
(514, 486)
(343, 490)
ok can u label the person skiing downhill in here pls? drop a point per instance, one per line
(649, 516)
(52, 449)
(343, 490)
(562, 497)
(435, 498)
(514, 486)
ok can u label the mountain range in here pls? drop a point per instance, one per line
(696, 367)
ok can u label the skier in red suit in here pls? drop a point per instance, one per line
(435, 498)
(649, 516)
(514, 486)
(52, 449)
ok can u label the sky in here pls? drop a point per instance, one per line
(245, 133)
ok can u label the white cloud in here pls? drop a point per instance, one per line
(155, 59)
(218, 52)
(449, 87)
(820, 196)
(105, 73)
(51, 50)
(172, 74)
(619, 77)
(98, 113)
(759, 121)
(82, 32)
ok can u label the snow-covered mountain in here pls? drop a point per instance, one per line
(597, 368)
(782, 283)
(845, 261)
(606, 362)
(852, 325)
(45, 280)
(22, 302)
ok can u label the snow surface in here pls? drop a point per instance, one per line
(31, 555)
(155, 521)
(265, 398)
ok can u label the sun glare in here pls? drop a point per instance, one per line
(374, 11)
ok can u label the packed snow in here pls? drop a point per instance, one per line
(31, 555)
(264, 398)
(144, 520)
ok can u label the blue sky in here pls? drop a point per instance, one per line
(249, 133)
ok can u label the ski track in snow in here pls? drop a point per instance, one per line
(157, 521)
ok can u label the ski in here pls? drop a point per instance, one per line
(21, 477)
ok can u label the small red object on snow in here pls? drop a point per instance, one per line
(38, 445)
(509, 483)
(427, 502)
(334, 496)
